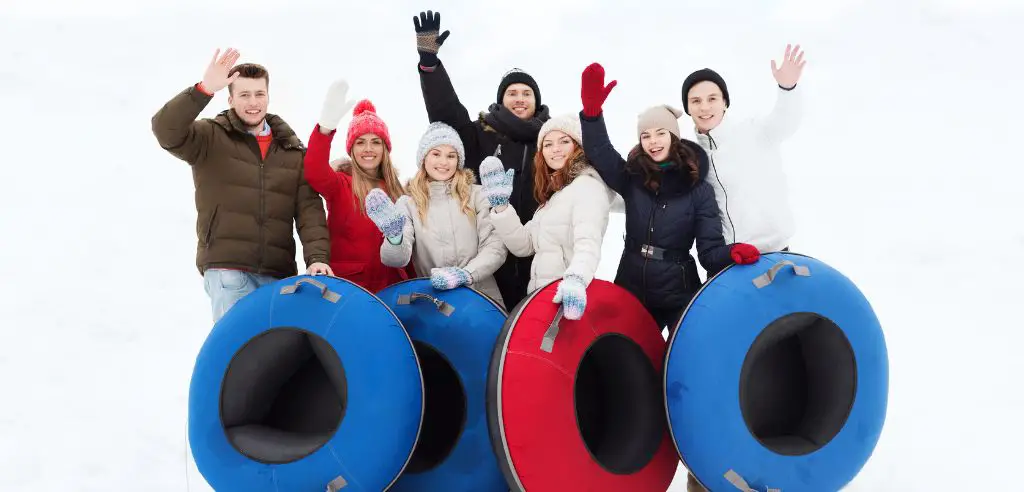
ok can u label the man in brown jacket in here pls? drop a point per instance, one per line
(249, 183)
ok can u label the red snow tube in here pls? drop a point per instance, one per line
(577, 405)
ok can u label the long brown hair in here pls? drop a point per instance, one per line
(638, 162)
(547, 181)
(363, 181)
(462, 189)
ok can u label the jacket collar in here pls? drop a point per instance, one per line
(281, 131)
(439, 189)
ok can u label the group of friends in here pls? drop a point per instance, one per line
(504, 203)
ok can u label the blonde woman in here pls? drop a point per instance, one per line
(443, 226)
(355, 239)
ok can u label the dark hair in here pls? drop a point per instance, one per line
(249, 71)
(638, 162)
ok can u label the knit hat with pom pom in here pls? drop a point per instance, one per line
(365, 120)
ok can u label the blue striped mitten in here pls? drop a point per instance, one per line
(572, 294)
(449, 278)
(383, 212)
(497, 182)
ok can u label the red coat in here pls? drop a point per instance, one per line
(355, 239)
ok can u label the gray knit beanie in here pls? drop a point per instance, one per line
(439, 134)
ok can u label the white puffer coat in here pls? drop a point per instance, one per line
(565, 234)
(748, 176)
(450, 238)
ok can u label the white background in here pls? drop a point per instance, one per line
(905, 176)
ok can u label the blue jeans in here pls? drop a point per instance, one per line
(225, 287)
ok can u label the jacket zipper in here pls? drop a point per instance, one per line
(259, 219)
(714, 146)
(650, 229)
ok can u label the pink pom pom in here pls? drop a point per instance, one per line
(364, 106)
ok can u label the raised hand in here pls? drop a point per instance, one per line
(428, 24)
(449, 278)
(216, 76)
(593, 91)
(384, 214)
(572, 295)
(336, 104)
(497, 182)
(792, 66)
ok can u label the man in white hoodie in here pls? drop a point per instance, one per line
(746, 165)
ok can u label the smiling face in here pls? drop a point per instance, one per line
(520, 100)
(556, 148)
(249, 100)
(706, 105)
(368, 151)
(656, 142)
(441, 162)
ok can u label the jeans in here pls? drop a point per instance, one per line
(225, 287)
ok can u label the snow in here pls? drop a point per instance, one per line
(902, 177)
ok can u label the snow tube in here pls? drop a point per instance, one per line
(777, 378)
(454, 332)
(306, 384)
(577, 405)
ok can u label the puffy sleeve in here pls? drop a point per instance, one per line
(513, 233)
(589, 221)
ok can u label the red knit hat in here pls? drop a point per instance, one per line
(365, 120)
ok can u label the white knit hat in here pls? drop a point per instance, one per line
(568, 123)
(439, 134)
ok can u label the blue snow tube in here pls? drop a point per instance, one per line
(454, 333)
(306, 384)
(777, 377)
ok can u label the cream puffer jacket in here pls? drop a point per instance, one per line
(566, 233)
(450, 238)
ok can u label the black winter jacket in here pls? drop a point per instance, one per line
(497, 132)
(672, 218)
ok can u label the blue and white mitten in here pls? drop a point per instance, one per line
(497, 182)
(448, 278)
(383, 212)
(572, 295)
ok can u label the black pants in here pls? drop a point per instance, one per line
(666, 317)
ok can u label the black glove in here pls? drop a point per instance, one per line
(428, 24)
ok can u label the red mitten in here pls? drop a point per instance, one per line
(593, 91)
(744, 254)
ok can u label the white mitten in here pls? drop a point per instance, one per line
(336, 104)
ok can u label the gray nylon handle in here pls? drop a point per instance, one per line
(443, 307)
(324, 291)
(547, 343)
(737, 481)
(337, 484)
(766, 278)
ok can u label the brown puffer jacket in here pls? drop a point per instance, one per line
(246, 204)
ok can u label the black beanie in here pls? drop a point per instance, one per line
(517, 76)
(703, 75)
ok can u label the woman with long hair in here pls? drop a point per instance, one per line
(443, 225)
(566, 232)
(669, 205)
(355, 239)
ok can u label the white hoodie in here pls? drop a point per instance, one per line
(748, 177)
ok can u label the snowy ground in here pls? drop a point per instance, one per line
(905, 176)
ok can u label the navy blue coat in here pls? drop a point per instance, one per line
(673, 218)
